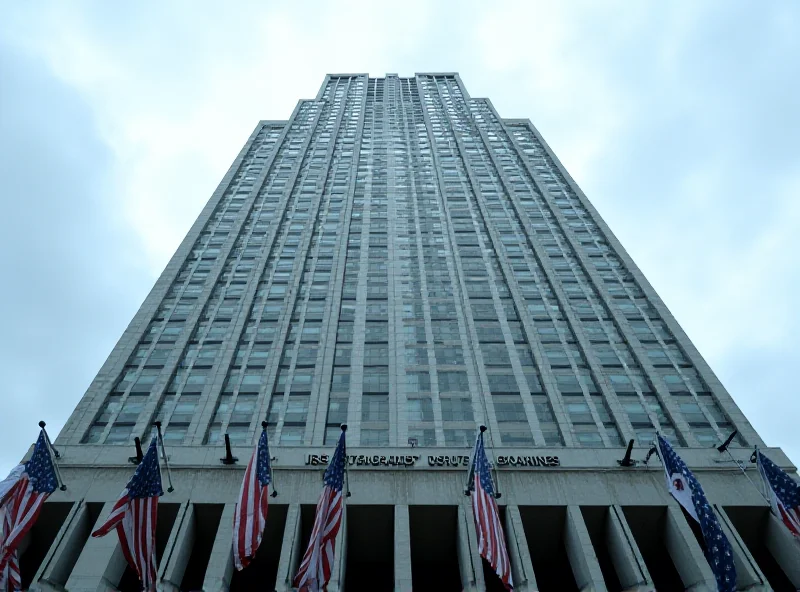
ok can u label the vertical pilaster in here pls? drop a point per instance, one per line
(220, 565)
(580, 551)
(101, 562)
(748, 575)
(686, 553)
(402, 549)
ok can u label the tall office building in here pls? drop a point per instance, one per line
(398, 257)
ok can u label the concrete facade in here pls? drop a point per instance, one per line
(399, 257)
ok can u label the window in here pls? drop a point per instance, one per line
(373, 437)
(578, 409)
(457, 409)
(503, 383)
(375, 408)
(459, 438)
(453, 382)
(419, 410)
(449, 355)
(340, 382)
(508, 408)
(375, 380)
(418, 381)
(243, 409)
(495, 354)
(296, 409)
(516, 435)
(337, 411)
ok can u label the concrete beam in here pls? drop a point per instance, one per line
(220, 565)
(336, 583)
(580, 551)
(290, 550)
(402, 549)
(748, 574)
(686, 553)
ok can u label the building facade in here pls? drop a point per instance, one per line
(398, 257)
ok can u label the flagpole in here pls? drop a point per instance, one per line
(742, 469)
(471, 471)
(170, 489)
(53, 456)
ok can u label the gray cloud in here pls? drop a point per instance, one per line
(71, 280)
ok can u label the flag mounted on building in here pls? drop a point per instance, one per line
(491, 541)
(251, 508)
(22, 495)
(686, 489)
(317, 564)
(134, 517)
(783, 493)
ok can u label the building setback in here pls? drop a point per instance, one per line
(398, 257)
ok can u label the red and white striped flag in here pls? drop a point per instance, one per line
(317, 565)
(251, 509)
(134, 517)
(491, 542)
(22, 495)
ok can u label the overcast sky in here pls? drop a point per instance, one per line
(679, 120)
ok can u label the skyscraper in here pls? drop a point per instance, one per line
(398, 257)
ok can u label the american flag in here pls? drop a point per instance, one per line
(491, 542)
(315, 569)
(686, 489)
(22, 495)
(784, 493)
(134, 517)
(251, 511)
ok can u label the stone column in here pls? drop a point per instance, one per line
(628, 561)
(402, 549)
(686, 553)
(784, 549)
(336, 582)
(518, 553)
(179, 549)
(469, 560)
(290, 550)
(580, 552)
(100, 564)
(64, 552)
(220, 565)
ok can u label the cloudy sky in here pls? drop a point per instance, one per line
(679, 120)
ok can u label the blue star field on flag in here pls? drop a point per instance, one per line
(334, 474)
(263, 469)
(146, 481)
(40, 470)
(717, 548)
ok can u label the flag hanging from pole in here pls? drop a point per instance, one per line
(784, 493)
(491, 541)
(134, 517)
(22, 495)
(686, 489)
(251, 509)
(317, 564)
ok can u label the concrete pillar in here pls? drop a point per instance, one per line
(469, 560)
(580, 552)
(402, 549)
(628, 561)
(336, 583)
(100, 564)
(520, 556)
(748, 574)
(291, 553)
(220, 565)
(64, 552)
(179, 549)
(784, 548)
(686, 553)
